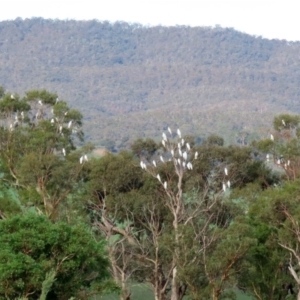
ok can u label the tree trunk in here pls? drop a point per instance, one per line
(158, 295)
(174, 289)
(126, 295)
(119, 276)
(215, 293)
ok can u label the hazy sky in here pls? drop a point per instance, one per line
(268, 18)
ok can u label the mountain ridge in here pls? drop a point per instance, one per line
(131, 81)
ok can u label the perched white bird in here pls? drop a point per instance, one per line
(184, 155)
(288, 162)
(164, 143)
(22, 115)
(188, 146)
(189, 166)
(158, 177)
(165, 185)
(170, 131)
(143, 165)
(228, 184)
(196, 155)
(182, 142)
(81, 160)
(52, 121)
(172, 153)
(66, 113)
(70, 124)
(162, 159)
(154, 163)
(179, 161)
(60, 128)
(278, 161)
(12, 96)
(164, 136)
(268, 157)
(180, 152)
(179, 133)
(224, 187)
(86, 158)
(179, 146)
(40, 102)
(272, 137)
(225, 171)
(283, 122)
(183, 164)
(63, 151)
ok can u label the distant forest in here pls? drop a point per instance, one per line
(131, 81)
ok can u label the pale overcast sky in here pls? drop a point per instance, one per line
(278, 19)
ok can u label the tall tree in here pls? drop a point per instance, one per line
(195, 183)
(111, 178)
(282, 147)
(37, 154)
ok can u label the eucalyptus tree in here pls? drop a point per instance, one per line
(37, 148)
(112, 181)
(168, 218)
(128, 208)
(179, 155)
(282, 147)
(205, 246)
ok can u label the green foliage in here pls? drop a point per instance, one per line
(266, 145)
(214, 139)
(286, 121)
(37, 255)
(37, 149)
(47, 284)
(113, 174)
(216, 240)
(9, 201)
(144, 148)
(46, 97)
(131, 200)
(243, 169)
(282, 149)
(271, 216)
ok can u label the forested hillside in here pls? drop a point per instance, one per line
(178, 219)
(131, 81)
(189, 215)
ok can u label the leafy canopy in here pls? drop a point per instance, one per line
(32, 248)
